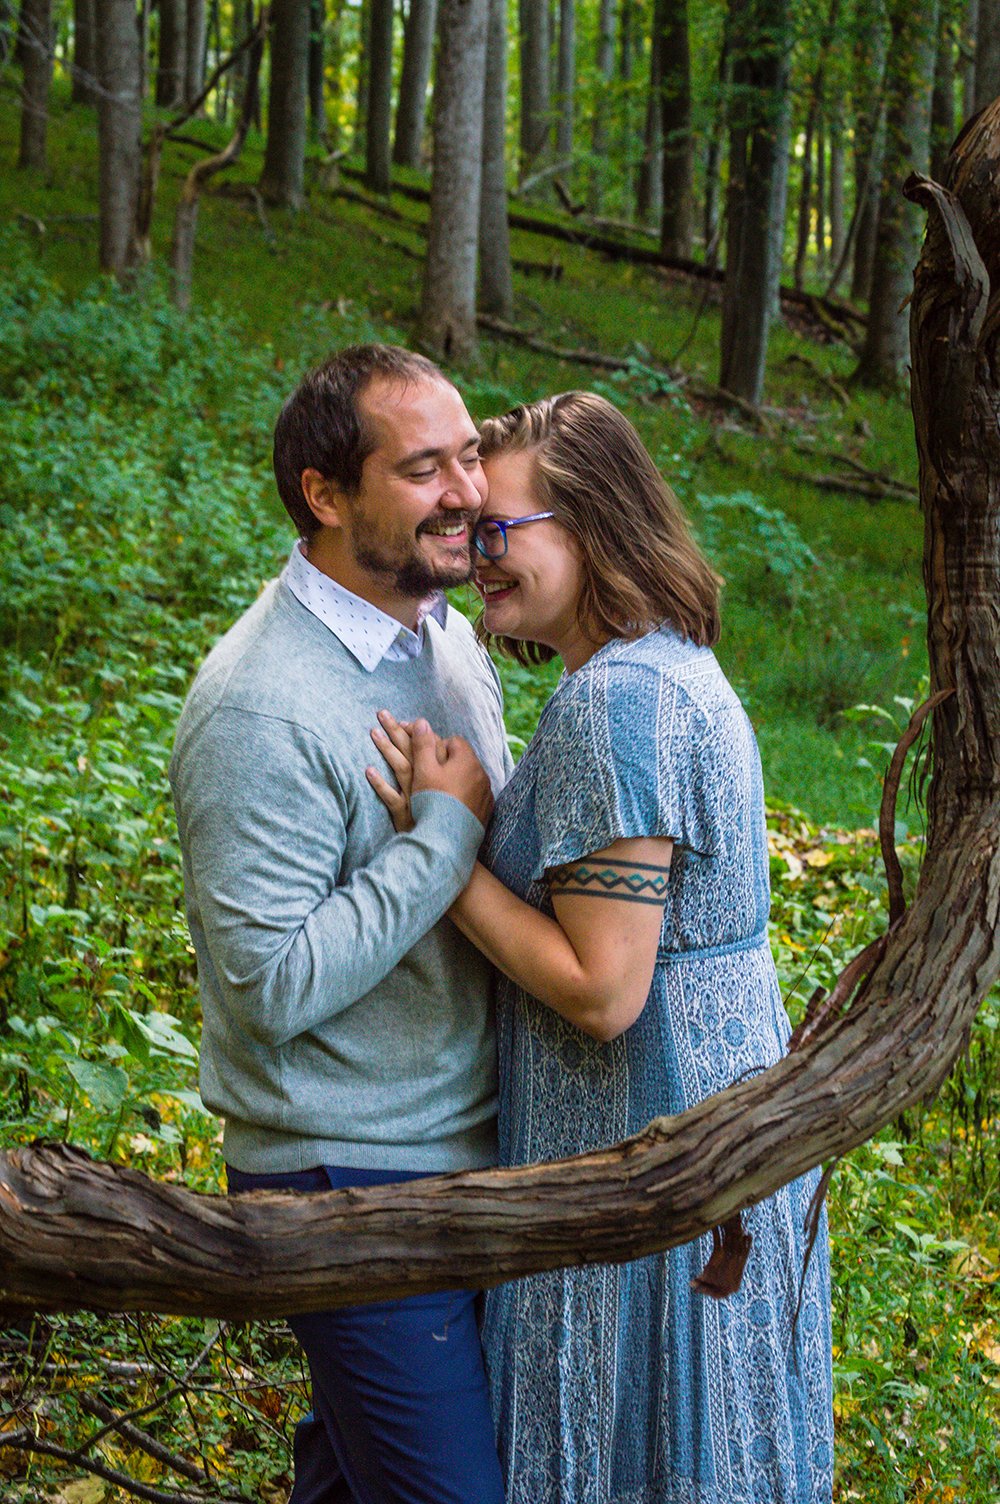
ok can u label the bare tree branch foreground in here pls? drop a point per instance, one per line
(75, 1234)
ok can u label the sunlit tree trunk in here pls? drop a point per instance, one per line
(909, 82)
(758, 182)
(418, 55)
(378, 137)
(496, 286)
(448, 308)
(171, 63)
(282, 177)
(36, 26)
(119, 127)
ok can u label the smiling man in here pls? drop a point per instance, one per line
(347, 1034)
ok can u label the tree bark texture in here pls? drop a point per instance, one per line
(194, 50)
(411, 110)
(672, 39)
(987, 52)
(909, 83)
(119, 131)
(566, 80)
(171, 62)
(599, 121)
(943, 97)
(838, 231)
(361, 105)
(649, 179)
(79, 1235)
(84, 90)
(283, 173)
(378, 139)
(536, 99)
(37, 29)
(317, 101)
(758, 179)
(448, 306)
(813, 135)
(496, 285)
(970, 26)
(870, 54)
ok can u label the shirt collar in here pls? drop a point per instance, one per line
(368, 634)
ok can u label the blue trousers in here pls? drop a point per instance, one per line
(400, 1409)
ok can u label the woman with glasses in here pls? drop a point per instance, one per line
(623, 894)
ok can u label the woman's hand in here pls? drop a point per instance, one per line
(395, 742)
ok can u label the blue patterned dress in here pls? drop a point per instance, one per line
(620, 1385)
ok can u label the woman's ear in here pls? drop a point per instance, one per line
(323, 498)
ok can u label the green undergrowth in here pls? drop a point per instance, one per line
(138, 519)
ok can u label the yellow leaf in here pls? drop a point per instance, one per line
(817, 857)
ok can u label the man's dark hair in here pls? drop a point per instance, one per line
(320, 427)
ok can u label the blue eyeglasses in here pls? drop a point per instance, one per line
(490, 537)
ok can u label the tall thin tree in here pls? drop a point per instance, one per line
(119, 133)
(909, 82)
(84, 88)
(411, 110)
(378, 136)
(673, 40)
(171, 60)
(317, 91)
(37, 30)
(194, 50)
(536, 96)
(758, 182)
(283, 174)
(987, 53)
(448, 306)
(566, 83)
(496, 285)
(599, 120)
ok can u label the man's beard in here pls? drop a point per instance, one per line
(412, 576)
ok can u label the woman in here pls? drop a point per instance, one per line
(623, 893)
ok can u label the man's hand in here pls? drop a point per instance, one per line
(420, 759)
(451, 767)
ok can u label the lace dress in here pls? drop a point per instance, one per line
(620, 1385)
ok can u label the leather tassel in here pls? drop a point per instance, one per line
(722, 1274)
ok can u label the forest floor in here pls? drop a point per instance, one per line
(138, 513)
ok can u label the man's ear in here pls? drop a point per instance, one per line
(324, 498)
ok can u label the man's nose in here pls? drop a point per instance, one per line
(461, 490)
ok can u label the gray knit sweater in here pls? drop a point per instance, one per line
(345, 1021)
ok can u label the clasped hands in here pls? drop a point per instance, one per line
(420, 759)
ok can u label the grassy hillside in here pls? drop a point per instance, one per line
(823, 605)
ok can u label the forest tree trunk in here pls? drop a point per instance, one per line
(758, 182)
(119, 132)
(909, 83)
(535, 92)
(283, 173)
(36, 25)
(316, 87)
(870, 54)
(448, 307)
(943, 98)
(565, 82)
(672, 38)
(84, 89)
(378, 135)
(194, 51)
(411, 110)
(496, 284)
(987, 52)
(599, 122)
(970, 26)
(171, 59)
(649, 182)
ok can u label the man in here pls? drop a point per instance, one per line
(347, 1038)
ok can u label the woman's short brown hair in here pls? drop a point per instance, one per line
(641, 567)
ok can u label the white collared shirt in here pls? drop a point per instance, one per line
(366, 632)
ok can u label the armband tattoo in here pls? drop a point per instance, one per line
(631, 882)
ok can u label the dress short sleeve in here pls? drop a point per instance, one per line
(624, 750)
